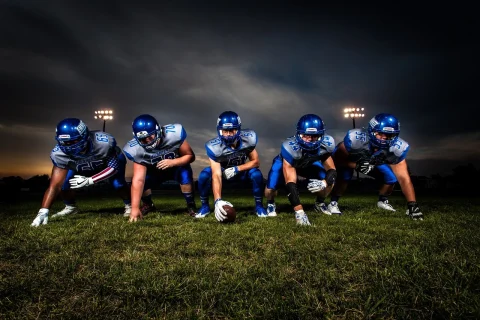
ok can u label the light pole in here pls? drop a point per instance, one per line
(354, 113)
(105, 114)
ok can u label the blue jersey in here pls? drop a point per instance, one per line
(297, 157)
(101, 153)
(218, 151)
(357, 143)
(173, 136)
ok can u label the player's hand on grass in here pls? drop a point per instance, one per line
(41, 218)
(135, 215)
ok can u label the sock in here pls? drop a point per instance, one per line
(204, 200)
(271, 201)
(320, 199)
(382, 198)
(189, 198)
(334, 198)
(258, 201)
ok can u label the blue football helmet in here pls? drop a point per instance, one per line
(72, 136)
(145, 126)
(387, 124)
(310, 124)
(229, 120)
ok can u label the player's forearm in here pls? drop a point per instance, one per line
(108, 172)
(248, 165)
(290, 174)
(50, 195)
(136, 192)
(407, 188)
(184, 160)
(217, 186)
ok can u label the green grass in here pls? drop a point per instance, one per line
(367, 263)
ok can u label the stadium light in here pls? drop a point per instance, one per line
(353, 112)
(105, 114)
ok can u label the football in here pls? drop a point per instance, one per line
(231, 213)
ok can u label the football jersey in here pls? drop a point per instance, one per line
(293, 153)
(218, 151)
(102, 148)
(173, 136)
(357, 143)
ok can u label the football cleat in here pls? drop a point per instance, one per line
(260, 211)
(66, 211)
(203, 212)
(385, 205)
(147, 208)
(321, 207)
(271, 210)
(128, 210)
(333, 208)
(191, 210)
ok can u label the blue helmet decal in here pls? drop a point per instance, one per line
(310, 125)
(145, 126)
(387, 125)
(72, 136)
(229, 120)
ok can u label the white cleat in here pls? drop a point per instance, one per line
(333, 208)
(128, 210)
(321, 207)
(66, 211)
(385, 205)
(271, 210)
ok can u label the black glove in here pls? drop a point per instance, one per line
(364, 167)
(414, 211)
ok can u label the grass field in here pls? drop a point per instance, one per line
(367, 263)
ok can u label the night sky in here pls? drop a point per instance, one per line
(188, 62)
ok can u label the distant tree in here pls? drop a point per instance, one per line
(38, 182)
(13, 183)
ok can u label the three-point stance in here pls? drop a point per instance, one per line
(228, 154)
(378, 152)
(159, 153)
(82, 158)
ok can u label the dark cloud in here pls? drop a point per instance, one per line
(189, 61)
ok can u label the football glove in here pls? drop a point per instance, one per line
(41, 218)
(301, 218)
(364, 167)
(80, 182)
(220, 213)
(230, 173)
(315, 185)
(413, 211)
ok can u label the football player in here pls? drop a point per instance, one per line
(232, 158)
(379, 152)
(306, 154)
(159, 153)
(82, 158)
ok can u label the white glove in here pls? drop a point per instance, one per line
(220, 213)
(41, 218)
(80, 181)
(365, 167)
(316, 185)
(230, 172)
(301, 218)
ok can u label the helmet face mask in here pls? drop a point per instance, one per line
(383, 130)
(228, 127)
(310, 132)
(147, 131)
(72, 136)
